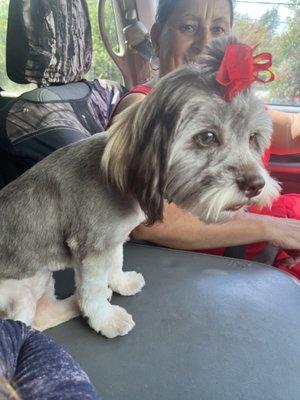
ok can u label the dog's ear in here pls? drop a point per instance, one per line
(148, 168)
(135, 159)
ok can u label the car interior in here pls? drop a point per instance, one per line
(207, 327)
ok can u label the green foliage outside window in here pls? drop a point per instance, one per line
(102, 66)
(3, 22)
(284, 44)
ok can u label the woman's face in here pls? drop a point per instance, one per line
(192, 25)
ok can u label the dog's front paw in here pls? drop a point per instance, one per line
(128, 283)
(115, 322)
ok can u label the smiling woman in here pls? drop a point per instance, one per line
(181, 30)
(179, 38)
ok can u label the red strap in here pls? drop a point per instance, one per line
(144, 89)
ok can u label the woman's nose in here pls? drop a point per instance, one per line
(201, 39)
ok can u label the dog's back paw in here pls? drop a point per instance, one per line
(127, 283)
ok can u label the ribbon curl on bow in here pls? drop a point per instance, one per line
(239, 68)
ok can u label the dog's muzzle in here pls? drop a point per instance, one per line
(250, 185)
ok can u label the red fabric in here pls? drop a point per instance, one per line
(143, 89)
(239, 68)
(266, 157)
(285, 206)
(214, 252)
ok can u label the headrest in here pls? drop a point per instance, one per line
(48, 42)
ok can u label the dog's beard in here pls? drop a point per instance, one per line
(219, 203)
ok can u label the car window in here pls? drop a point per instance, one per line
(5, 82)
(102, 66)
(275, 26)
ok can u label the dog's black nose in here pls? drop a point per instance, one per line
(251, 185)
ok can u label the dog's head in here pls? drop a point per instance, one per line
(186, 144)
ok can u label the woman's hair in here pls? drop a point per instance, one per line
(166, 7)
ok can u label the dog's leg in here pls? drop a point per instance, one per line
(125, 283)
(17, 301)
(92, 291)
(18, 298)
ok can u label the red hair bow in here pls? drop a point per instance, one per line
(239, 68)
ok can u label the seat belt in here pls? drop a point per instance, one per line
(136, 34)
(236, 251)
(265, 256)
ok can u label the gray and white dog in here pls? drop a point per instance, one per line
(183, 143)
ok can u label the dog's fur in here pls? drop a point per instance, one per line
(72, 210)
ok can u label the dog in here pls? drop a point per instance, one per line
(183, 143)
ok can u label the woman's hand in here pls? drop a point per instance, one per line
(295, 126)
(280, 232)
(285, 233)
(286, 132)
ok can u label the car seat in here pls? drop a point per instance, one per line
(49, 43)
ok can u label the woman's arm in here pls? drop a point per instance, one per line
(286, 132)
(182, 230)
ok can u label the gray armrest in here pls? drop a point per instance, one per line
(207, 328)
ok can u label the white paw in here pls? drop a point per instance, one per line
(128, 283)
(114, 322)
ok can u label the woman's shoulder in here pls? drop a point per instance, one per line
(134, 95)
(128, 100)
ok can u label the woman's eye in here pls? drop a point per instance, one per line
(206, 138)
(218, 31)
(188, 28)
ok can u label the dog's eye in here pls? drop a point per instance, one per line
(206, 138)
(253, 137)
